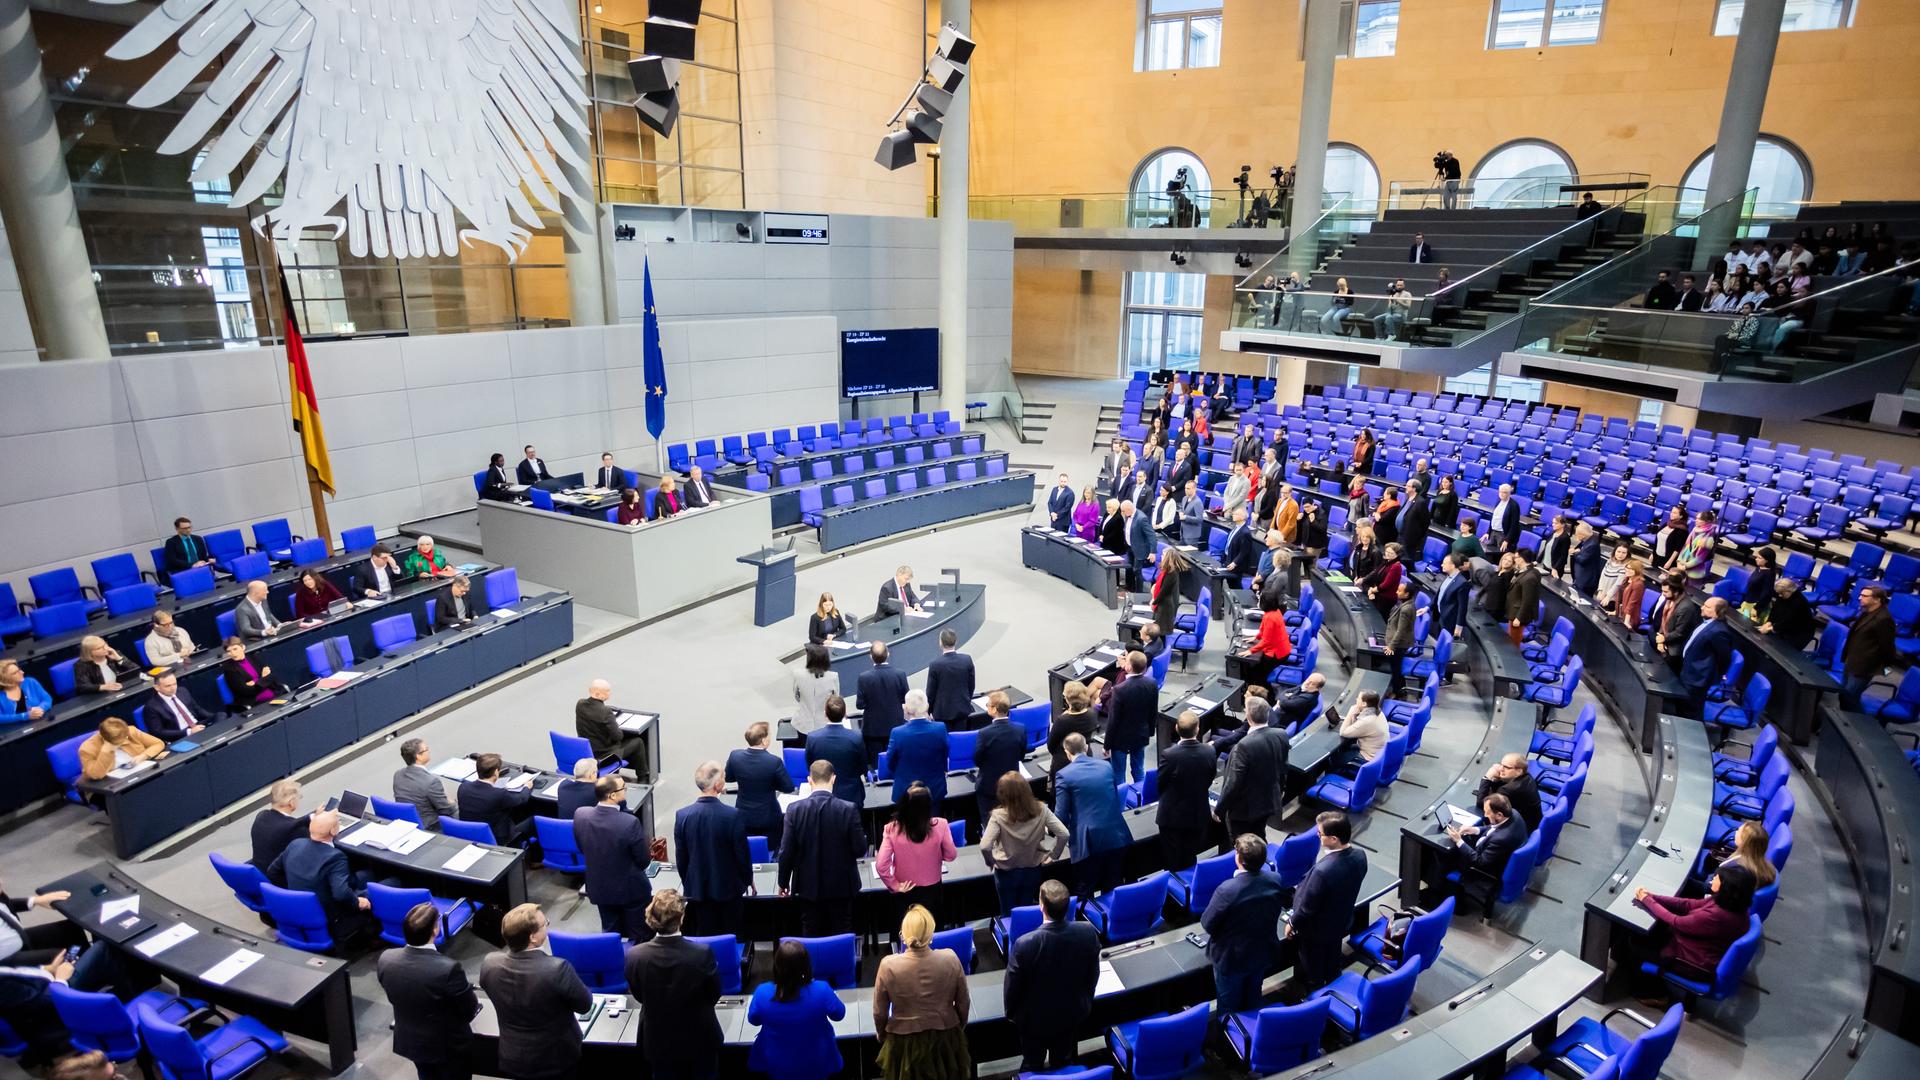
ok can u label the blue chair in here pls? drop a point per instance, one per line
(57, 619)
(63, 758)
(1158, 667)
(1193, 887)
(835, 959)
(503, 588)
(192, 582)
(473, 832)
(1130, 911)
(568, 749)
(1141, 792)
(1161, 1047)
(307, 551)
(274, 538)
(102, 1022)
(13, 624)
(1745, 771)
(244, 879)
(1273, 1040)
(1513, 880)
(1588, 1045)
(796, 763)
(394, 632)
(600, 959)
(1899, 707)
(232, 1049)
(759, 850)
(320, 660)
(1188, 642)
(395, 811)
(1425, 935)
(1724, 689)
(132, 599)
(1364, 1007)
(224, 627)
(1037, 718)
(960, 746)
(391, 905)
(958, 941)
(1350, 794)
(62, 586)
(541, 498)
(1293, 857)
(1547, 697)
(958, 829)
(728, 957)
(298, 919)
(1009, 929)
(250, 566)
(558, 848)
(1732, 716)
(119, 571)
(358, 538)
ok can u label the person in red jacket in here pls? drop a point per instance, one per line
(1271, 645)
(1700, 930)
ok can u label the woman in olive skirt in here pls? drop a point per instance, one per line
(920, 1006)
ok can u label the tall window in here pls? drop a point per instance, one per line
(700, 164)
(1152, 204)
(1522, 173)
(1350, 170)
(1779, 172)
(1511, 387)
(1529, 24)
(1182, 34)
(1367, 28)
(1800, 15)
(1163, 320)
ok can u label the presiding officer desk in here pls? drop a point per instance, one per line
(642, 571)
(236, 756)
(1668, 847)
(957, 446)
(1082, 563)
(912, 641)
(1622, 667)
(286, 989)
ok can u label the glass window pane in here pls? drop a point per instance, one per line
(1203, 41)
(1517, 24)
(713, 187)
(1165, 289)
(1376, 26)
(639, 182)
(712, 143)
(1165, 44)
(1176, 7)
(1575, 22)
(1799, 15)
(1521, 174)
(1776, 173)
(713, 44)
(707, 91)
(1144, 341)
(1349, 172)
(1183, 342)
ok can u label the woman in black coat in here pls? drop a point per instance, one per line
(1585, 560)
(1444, 508)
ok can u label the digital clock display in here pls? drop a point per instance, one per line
(796, 228)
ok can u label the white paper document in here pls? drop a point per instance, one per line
(847, 644)
(912, 614)
(786, 799)
(1200, 704)
(367, 603)
(980, 703)
(223, 972)
(456, 769)
(409, 841)
(155, 944)
(113, 909)
(552, 791)
(464, 858)
(1143, 607)
(1107, 650)
(503, 614)
(1108, 982)
(345, 676)
(635, 721)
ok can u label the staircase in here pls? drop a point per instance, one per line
(1503, 298)
(1853, 335)
(1106, 427)
(1035, 418)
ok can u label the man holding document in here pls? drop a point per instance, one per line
(898, 597)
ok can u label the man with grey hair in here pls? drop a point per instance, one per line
(452, 609)
(917, 751)
(710, 841)
(280, 824)
(597, 722)
(416, 785)
(898, 595)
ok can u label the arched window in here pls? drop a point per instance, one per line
(1779, 171)
(1525, 172)
(1350, 170)
(1150, 203)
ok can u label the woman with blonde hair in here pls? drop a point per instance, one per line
(1612, 576)
(920, 1006)
(1339, 306)
(100, 668)
(114, 744)
(1750, 850)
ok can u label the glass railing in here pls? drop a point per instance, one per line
(1222, 208)
(1672, 244)
(1541, 191)
(1810, 336)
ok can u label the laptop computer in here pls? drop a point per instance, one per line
(1447, 814)
(339, 607)
(352, 804)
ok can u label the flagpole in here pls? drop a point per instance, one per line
(316, 496)
(659, 443)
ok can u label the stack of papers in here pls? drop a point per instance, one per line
(1108, 982)
(223, 972)
(980, 703)
(458, 769)
(635, 721)
(410, 840)
(1200, 704)
(503, 614)
(155, 944)
(339, 679)
(113, 909)
(390, 835)
(552, 790)
(460, 860)
(367, 603)
(786, 799)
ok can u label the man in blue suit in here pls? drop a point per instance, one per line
(1088, 803)
(1142, 545)
(882, 689)
(485, 798)
(1130, 719)
(1323, 903)
(1705, 656)
(759, 777)
(950, 682)
(1050, 980)
(1242, 924)
(1481, 852)
(1060, 506)
(617, 851)
(710, 842)
(835, 742)
(918, 751)
(316, 866)
(997, 750)
(820, 863)
(1241, 555)
(1450, 603)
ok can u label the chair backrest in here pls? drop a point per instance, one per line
(1288, 1035)
(63, 758)
(390, 906)
(395, 811)
(1427, 934)
(1208, 876)
(1779, 847)
(558, 846)
(1392, 758)
(251, 566)
(320, 661)
(960, 746)
(128, 599)
(835, 959)
(796, 762)
(272, 535)
(1159, 666)
(1136, 906)
(1754, 697)
(358, 538)
(1294, 856)
(503, 587)
(393, 632)
(115, 571)
(726, 957)
(1037, 718)
(96, 1022)
(311, 550)
(57, 586)
(244, 879)
(1513, 880)
(958, 941)
(1170, 1045)
(1386, 1000)
(53, 620)
(298, 918)
(191, 582)
(473, 832)
(173, 1047)
(1644, 1057)
(759, 850)
(600, 959)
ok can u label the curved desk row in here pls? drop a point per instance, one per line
(236, 757)
(1798, 680)
(787, 510)
(867, 456)
(1862, 1051)
(1668, 847)
(857, 523)
(26, 777)
(1351, 622)
(1086, 565)
(1623, 669)
(912, 641)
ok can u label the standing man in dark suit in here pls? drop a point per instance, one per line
(883, 694)
(1412, 520)
(1130, 719)
(1323, 903)
(1051, 974)
(1673, 620)
(535, 996)
(1241, 555)
(1705, 655)
(1187, 770)
(1242, 922)
(1142, 545)
(760, 777)
(532, 470)
(617, 851)
(595, 721)
(1420, 251)
(1184, 469)
(917, 751)
(1450, 602)
(1087, 799)
(184, 551)
(1523, 595)
(841, 745)
(1871, 645)
(716, 867)
(1481, 852)
(1193, 515)
(677, 983)
(609, 476)
(950, 682)
(433, 1003)
(171, 711)
(1255, 785)
(1505, 519)
(484, 798)
(997, 751)
(698, 491)
(898, 594)
(1126, 486)
(820, 862)
(1247, 448)
(1060, 506)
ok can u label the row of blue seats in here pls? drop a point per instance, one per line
(814, 501)
(822, 470)
(764, 447)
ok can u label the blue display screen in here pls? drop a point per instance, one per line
(875, 363)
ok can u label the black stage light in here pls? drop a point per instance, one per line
(945, 74)
(664, 37)
(686, 11)
(652, 74)
(924, 127)
(896, 150)
(932, 99)
(659, 110)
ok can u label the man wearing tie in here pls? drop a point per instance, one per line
(251, 620)
(617, 852)
(1142, 546)
(433, 1003)
(1506, 519)
(1242, 922)
(377, 576)
(898, 594)
(172, 714)
(716, 868)
(1411, 522)
(1421, 251)
(184, 551)
(1193, 516)
(611, 476)
(950, 681)
(1240, 554)
(1060, 506)
(1673, 621)
(1184, 469)
(1450, 603)
(1186, 771)
(820, 862)
(1705, 656)
(532, 470)
(699, 492)
(997, 751)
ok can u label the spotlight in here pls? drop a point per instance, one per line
(945, 74)
(920, 117)
(685, 11)
(896, 150)
(1242, 259)
(652, 74)
(623, 232)
(954, 45)
(924, 127)
(1178, 257)
(659, 110)
(932, 99)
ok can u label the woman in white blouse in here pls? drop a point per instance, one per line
(813, 683)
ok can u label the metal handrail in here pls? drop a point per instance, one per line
(1616, 209)
(1311, 230)
(1649, 241)
(1810, 298)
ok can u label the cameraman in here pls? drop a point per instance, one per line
(1447, 167)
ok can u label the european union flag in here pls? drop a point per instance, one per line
(655, 363)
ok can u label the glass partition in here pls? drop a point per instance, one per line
(1531, 191)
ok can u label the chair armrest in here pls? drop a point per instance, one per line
(88, 590)
(149, 575)
(28, 605)
(1629, 1014)
(1120, 1036)
(249, 1040)
(1343, 999)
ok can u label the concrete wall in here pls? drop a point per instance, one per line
(16, 329)
(120, 447)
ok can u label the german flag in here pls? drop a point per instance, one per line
(306, 407)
